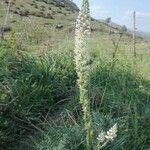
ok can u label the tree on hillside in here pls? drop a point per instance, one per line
(123, 29)
(108, 20)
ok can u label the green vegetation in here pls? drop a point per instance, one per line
(39, 99)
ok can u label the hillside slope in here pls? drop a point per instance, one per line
(51, 9)
(47, 13)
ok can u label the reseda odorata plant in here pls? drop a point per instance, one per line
(82, 62)
(104, 137)
(82, 59)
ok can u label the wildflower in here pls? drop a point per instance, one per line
(101, 137)
(111, 134)
(82, 59)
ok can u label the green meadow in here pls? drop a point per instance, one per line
(39, 97)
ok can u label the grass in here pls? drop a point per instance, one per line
(28, 84)
(39, 99)
(117, 97)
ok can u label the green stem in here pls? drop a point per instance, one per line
(84, 99)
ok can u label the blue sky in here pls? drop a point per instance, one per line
(121, 11)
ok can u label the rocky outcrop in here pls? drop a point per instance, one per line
(66, 3)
